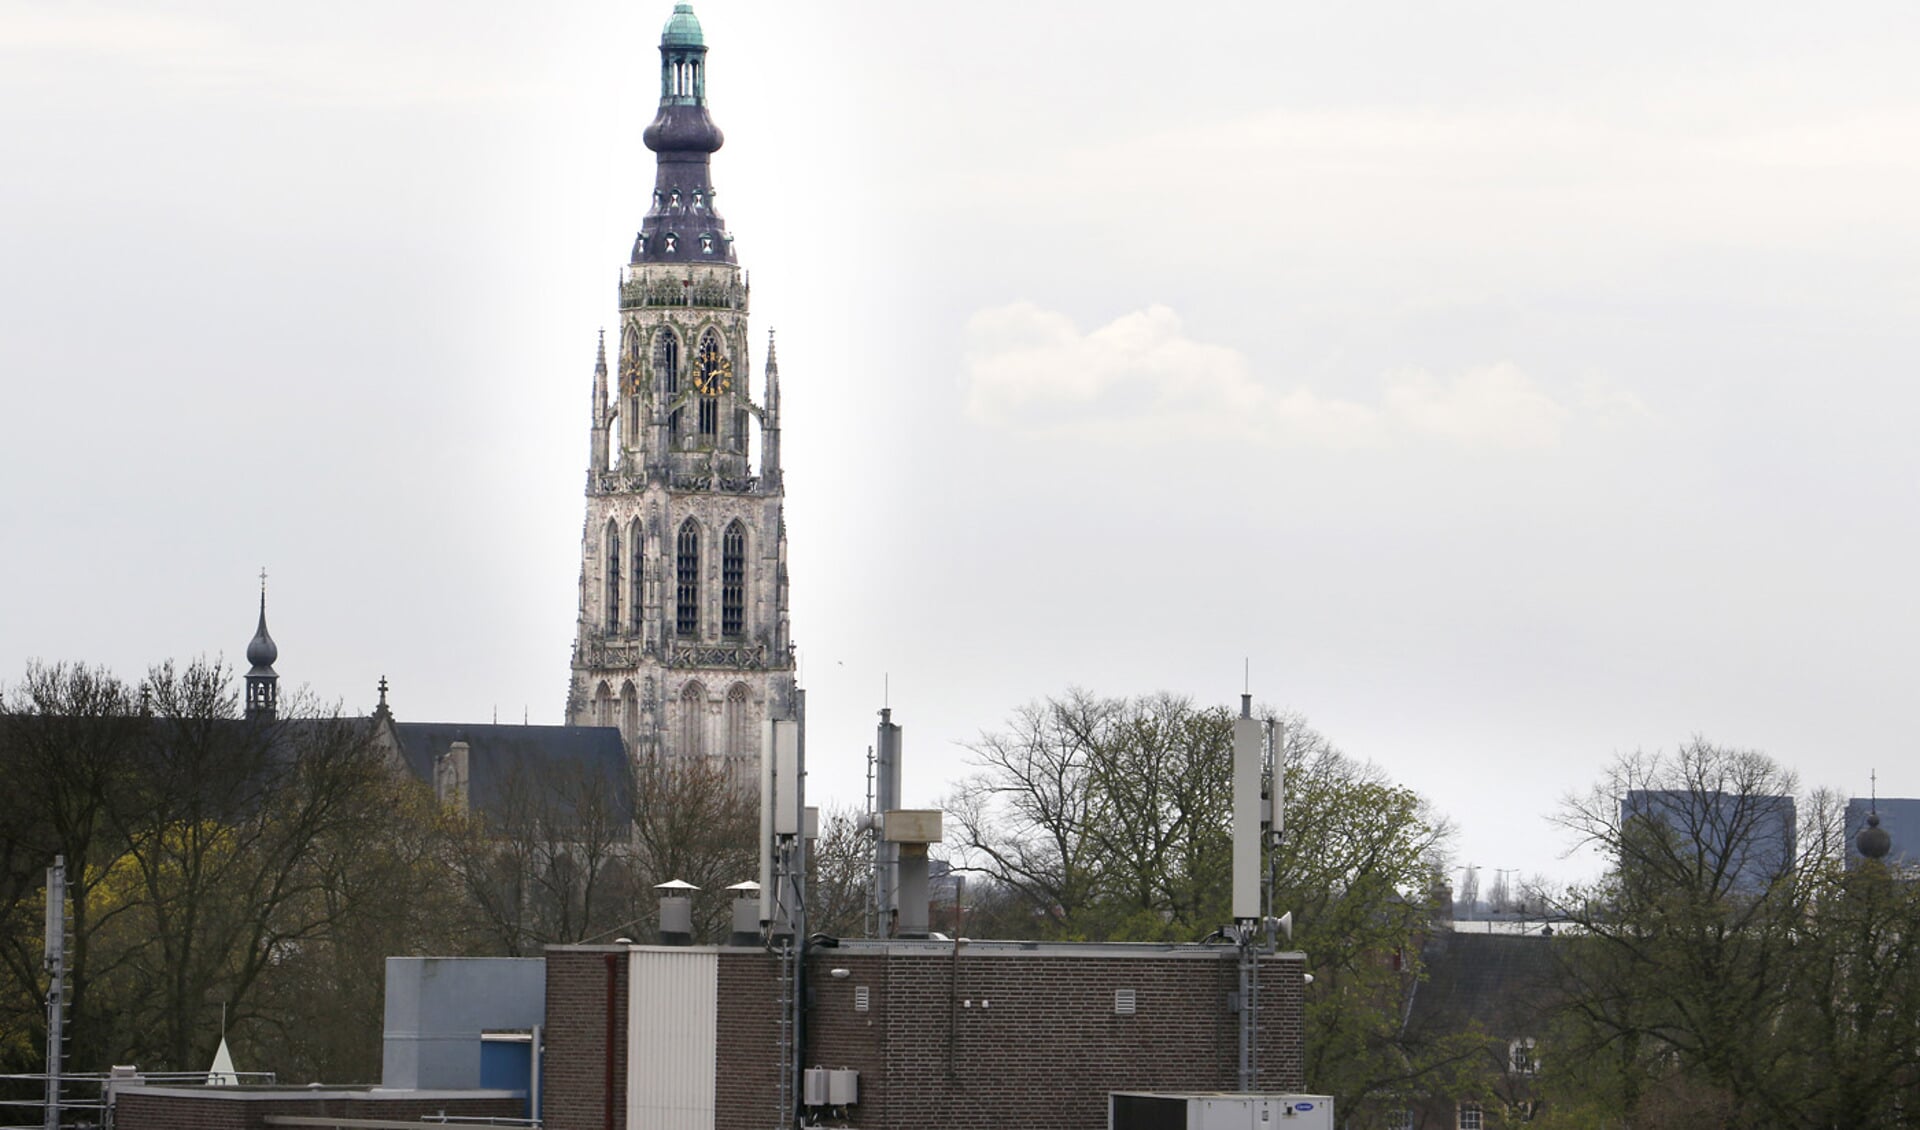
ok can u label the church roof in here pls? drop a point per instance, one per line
(501, 758)
(1501, 982)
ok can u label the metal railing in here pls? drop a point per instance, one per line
(86, 1097)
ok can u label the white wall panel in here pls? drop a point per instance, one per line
(672, 1025)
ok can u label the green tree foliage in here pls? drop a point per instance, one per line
(1111, 819)
(210, 859)
(267, 868)
(1721, 975)
(68, 735)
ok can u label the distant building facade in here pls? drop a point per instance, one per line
(1899, 818)
(682, 640)
(1750, 839)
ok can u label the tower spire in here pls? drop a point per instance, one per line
(770, 431)
(682, 225)
(263, 683)
(599, 454)
(683, 580)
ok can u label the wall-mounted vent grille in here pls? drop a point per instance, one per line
(860, 998)
(1123, 1004)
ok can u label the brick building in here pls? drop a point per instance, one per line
(140, 1107)
(981, 1034)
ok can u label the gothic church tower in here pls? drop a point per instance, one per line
(683, 638)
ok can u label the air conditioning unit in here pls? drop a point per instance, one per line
(822, 1086)
(843, 1086)
(1140, 1110)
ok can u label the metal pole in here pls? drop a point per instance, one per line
(56, 962)
(873, 851)
(795, 858)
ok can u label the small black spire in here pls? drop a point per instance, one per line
(263, 683)
(1873, 842)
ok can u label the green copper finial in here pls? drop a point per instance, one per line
(683, 29)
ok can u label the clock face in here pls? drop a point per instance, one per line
(713, 377)
(629, 375)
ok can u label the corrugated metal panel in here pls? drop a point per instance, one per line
(672, 1027)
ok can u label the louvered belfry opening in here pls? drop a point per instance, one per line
(733, 582)
(686, 618)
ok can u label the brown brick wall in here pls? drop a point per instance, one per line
(1032, 1040)
(748, 1042)
(162, 1110)
(997, 1039)
(576, 1090)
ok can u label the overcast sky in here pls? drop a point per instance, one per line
(1510, 385)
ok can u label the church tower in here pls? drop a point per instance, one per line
(683, 638)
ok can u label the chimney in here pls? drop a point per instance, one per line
(676, 912)
(746, 914)
(450, 777)
(886, 856)
(911, 830)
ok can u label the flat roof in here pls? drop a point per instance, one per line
(971, 947)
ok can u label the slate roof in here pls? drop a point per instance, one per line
(498, 756)
(1502, 982)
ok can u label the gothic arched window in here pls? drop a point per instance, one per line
(666, 362)
(710, 362)
(739, 733)
(693, 705)
(637, 591)
(733, 581)
(612, 563)
(686, 601)
(629, 711)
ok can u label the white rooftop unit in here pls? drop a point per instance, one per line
(1139, 1110)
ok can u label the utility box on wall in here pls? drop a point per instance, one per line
(1219, 1111)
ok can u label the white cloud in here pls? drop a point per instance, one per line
(1026, 362)
(1495, 406)
(1141, 379)
(162, 54)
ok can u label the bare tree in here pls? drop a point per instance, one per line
(694, 823)
(1025, 818)
(549, 859)
(221, 831)
(69, 734)
(840, 886)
